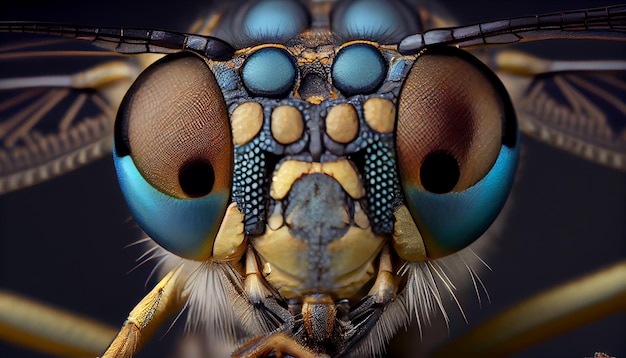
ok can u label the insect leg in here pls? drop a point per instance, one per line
(386, 285)
(267, 313)
(31, 105)
(383, 292)
(166, 298)
(546, 315)
(277, 344)
(49, 330)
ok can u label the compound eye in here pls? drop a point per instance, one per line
(383, 21)
(456, 142)
(174, 156)
(273, 21)
(358, 69)
(269, 72)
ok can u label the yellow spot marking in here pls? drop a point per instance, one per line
(380, 114)
(342, 123)
(287, 125)
(246, 122)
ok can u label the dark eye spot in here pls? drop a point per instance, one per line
(196, 178)
(439, 172)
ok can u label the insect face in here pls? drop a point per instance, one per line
(351, 165)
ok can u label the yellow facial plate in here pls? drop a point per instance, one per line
(343, 171)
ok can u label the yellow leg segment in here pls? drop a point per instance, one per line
(278, 344)
(166, 298)
(545, 315)
(52, 331)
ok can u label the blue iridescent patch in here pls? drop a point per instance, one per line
(185, 227)
(451, 221)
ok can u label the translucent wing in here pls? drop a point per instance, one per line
(577, 106)
(57, 107)
(53, 123)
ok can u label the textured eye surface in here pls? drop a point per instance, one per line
(274, 20)
(456, 143)
(269, 72)
(358, 69)
(382, 21)
(173, 153)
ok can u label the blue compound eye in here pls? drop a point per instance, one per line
(274, 21)
(358, 69)
(457, 148)
(173, 154)
(383, 21)
(269, 72)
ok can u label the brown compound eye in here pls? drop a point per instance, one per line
(177, 128)
(174, 154)
(457, 148)
(450, 123)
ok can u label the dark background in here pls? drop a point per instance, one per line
(63, 242)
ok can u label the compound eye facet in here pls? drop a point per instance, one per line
(383, 21)
(173, 153)
(358, 69)
(274, 21)
(269, 72)
(456, 150)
